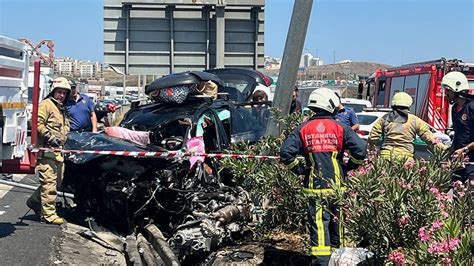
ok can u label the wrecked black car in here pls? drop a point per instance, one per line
(195, 205)
(240, 83)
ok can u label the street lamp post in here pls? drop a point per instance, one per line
(124, 80)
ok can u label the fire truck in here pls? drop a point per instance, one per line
(14, 68)
(423, 82)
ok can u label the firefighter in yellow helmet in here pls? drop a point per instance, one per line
(399, 128)
(53, 126)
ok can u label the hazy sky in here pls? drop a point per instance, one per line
(384, 31)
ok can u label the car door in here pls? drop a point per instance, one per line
(210, 128)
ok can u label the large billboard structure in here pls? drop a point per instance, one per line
(158, 37)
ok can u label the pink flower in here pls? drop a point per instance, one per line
(438, 247)
(403, 220)
(441, 206)
(434, 190)
(396, 257)
(458, 184)
(409, 164)
(445, 214)
(461, 194)
(421, 170)
(447, 261)
(423, 235)
(436, 225)
(444, 197)
(453, 243)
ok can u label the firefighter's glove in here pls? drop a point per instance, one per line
(54, 142)
(296, 167)
(351, 166)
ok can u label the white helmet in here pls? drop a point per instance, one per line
(324, 99)
(455, 81)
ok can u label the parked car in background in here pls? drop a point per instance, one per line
(357, 104)
(367, 121)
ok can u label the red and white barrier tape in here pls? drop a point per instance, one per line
(171, 154)
(158, 154)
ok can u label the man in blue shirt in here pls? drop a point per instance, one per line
(347, 116)
(81, 111)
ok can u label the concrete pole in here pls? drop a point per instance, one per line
(142, 88)
(220, 36)
(290, 62)
(124, 84)
(139, 80)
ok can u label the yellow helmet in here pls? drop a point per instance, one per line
(61, 83)
(402, 99)
(455, 81)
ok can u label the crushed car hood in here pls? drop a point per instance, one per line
(102, 142)
(149, 116)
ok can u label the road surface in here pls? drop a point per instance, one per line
(25, 241)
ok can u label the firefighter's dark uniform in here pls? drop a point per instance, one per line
(463, 125)
(322, 141)
(52, 123)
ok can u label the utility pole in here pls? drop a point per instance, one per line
(290, 62)
(334, 64)
(317, 65)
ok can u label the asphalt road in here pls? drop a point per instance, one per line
(26, 241)
(23, 240)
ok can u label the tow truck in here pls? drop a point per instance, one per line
(423, 82)
(14, 69)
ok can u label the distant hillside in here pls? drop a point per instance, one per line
(349, 70)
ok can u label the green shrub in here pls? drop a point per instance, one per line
(402, 211)
(270, 182)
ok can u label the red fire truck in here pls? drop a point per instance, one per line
(423, 82)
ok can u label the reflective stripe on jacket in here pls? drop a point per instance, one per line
(322, 141)
(52, 121)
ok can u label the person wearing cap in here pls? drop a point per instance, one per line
(81, 111)
(457, 91)
(322, 141)
(399, 129)
(53, 126)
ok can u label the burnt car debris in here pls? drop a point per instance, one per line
(196, 206)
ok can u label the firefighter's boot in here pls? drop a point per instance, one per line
(56, 220)
(34, 202)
